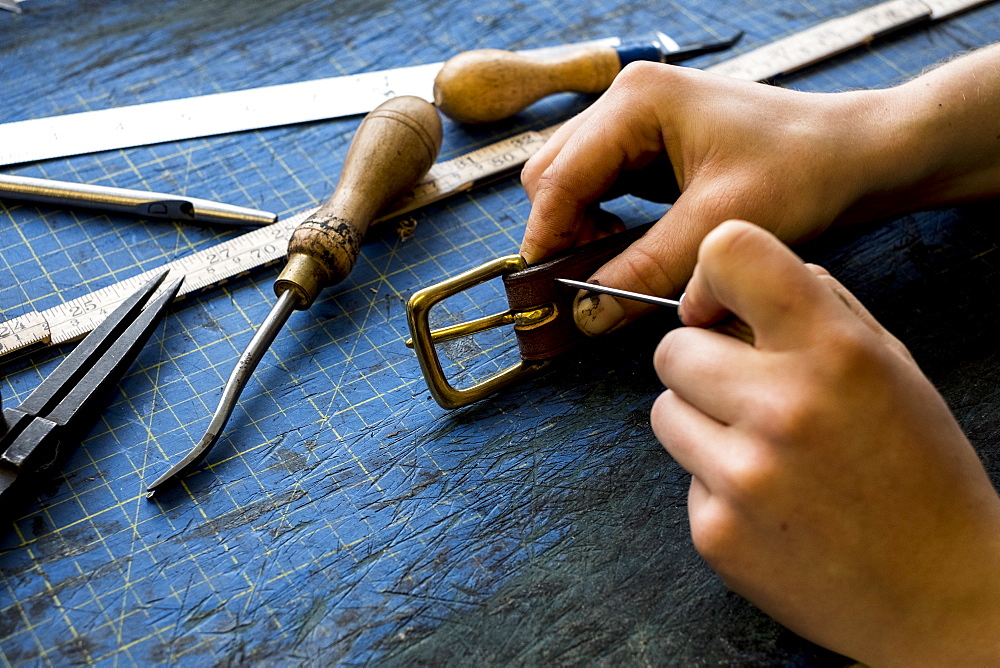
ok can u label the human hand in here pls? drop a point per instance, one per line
(787, 160)
(831, 486)
(792, 162)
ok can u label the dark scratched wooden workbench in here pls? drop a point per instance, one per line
(345, 518)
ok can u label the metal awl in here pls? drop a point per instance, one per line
(730, 326)
(615, 292)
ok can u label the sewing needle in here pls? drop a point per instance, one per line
(615, 292)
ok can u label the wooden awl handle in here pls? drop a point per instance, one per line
(393, 148)
(489, 84)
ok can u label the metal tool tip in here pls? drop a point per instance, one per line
(231, 392)
(186, 465)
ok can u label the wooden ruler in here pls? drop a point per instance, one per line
(263, 246)
(214, 266)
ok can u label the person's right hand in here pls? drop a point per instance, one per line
(831, 485)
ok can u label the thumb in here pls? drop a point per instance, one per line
(659, 263)
(746, 271)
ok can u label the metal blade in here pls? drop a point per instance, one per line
(222, 113)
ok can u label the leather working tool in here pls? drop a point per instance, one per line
(615, 292)
(264, 246)
(395, 145)
(258, 248)
(132, 202)
(269, 106)
(488, 85)
(39, 433)
(731, 325)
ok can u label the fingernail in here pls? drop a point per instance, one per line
(597, 314)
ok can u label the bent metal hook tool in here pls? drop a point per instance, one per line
(394, 147)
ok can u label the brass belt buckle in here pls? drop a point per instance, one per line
(424, 339)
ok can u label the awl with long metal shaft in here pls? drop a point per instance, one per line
(394, 147)
(617, 292)
(489, 85)
(731, 326)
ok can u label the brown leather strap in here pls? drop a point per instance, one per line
(534, 287)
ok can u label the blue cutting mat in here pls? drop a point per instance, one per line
(344, 517)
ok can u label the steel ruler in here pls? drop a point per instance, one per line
(221, 113)
(213, 266)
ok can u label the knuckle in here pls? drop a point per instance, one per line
(668, 352)
(637, 73)
(795, 411)
(660, 419)
(647, 270)
(731, 238)
(713, 531)
(819, 271)
(850, 352)
(750, 476)
(550, 183)
(531, 172)
(799, 411)
(788, 417)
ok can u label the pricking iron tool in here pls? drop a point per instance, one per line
(541, 312)
(41, 431)
(394, 147)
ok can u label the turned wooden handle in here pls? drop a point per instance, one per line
(489, 84)
(393, 148)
